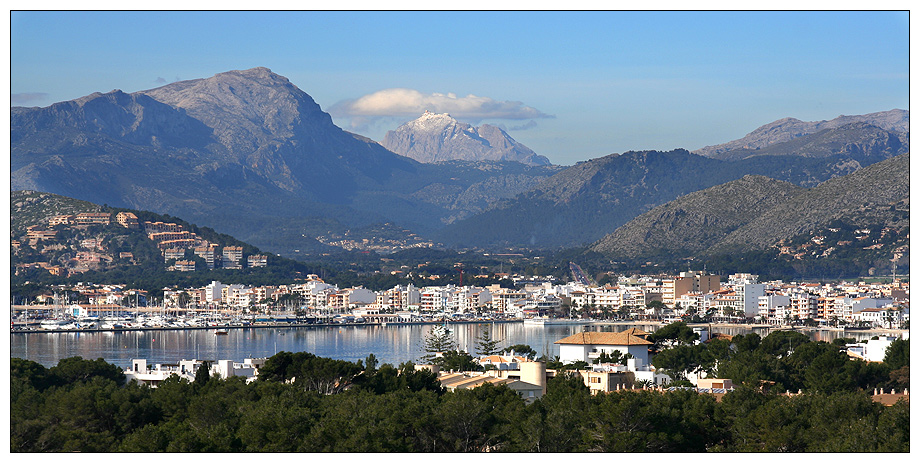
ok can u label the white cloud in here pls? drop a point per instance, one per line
(405, 102)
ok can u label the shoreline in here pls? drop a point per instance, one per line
(257, 326)
(743, 326)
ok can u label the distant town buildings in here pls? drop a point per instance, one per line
(178, 246)
(127, 220)
(93, 218)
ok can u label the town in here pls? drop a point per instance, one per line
(691, 296)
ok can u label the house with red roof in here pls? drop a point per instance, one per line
(589, 345)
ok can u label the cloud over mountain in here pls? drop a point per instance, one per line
(403, 102)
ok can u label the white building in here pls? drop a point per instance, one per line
(153, 375)
(589, 345)
(213, 292)
(886, 317)
(773, 308)
(873, 350)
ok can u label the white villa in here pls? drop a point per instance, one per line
(153, 375)
(589, 345)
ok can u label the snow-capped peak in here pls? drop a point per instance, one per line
(436, 137)
(431, 121)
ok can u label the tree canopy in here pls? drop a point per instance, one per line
(399, 409)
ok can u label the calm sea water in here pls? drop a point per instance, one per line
(390, 344)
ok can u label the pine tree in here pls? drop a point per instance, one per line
(485, 345)
(438, 340)
(203, 375)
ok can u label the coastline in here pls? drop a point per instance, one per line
(257, 326)
(743, 326)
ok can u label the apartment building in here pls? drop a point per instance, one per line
(93, 218)
(257, 260)
(213, 292)
(803, 305)
(158, 237)
(398, 298)
(673, 288)
(232, 257)
(61, 220)
(159, 227)
(237, 295)
(209, 254)
(173, 254)
(504, 298)
(185, 266)
(433, 299)
(34, 234)
(346, 298)
(127, 220)
(773, 308)
(847, 308)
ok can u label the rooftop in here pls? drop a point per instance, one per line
(603, 338)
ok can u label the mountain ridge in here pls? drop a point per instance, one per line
(250, 153)
(255, 154)
(753, 213)
(694, 222)
(788, 128)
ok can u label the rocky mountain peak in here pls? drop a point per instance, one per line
(247, 108)
(434, 137)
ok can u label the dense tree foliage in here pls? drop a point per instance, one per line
(783, 360)
(80, 405)
(523, 350)
(673, 333)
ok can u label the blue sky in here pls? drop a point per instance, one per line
(569, 85)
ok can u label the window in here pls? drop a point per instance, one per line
(594, 379)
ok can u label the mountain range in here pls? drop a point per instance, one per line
(246, 152)
(754, 213)
(250, 154)
(439, 137)
(583, 203)
(788, 129)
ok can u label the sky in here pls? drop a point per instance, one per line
(571, 85)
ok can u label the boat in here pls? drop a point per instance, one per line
(58, 324)
(221, 331)
(553, 321)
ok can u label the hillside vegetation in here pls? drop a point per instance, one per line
(693, 223)
(844, 227)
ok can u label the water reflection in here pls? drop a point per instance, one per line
(390, 344)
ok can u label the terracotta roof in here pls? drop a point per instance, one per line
(635, 332)
(604, 338)
(503, 358)
(461, 381)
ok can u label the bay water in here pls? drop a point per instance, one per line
(392, 344)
